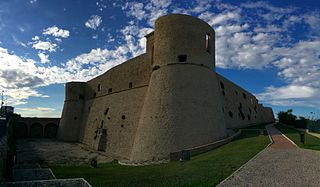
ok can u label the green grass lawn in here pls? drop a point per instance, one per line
(207, 169)
(311, 142)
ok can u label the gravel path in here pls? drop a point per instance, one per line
(281, 164)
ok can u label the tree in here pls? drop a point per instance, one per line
(286, 117)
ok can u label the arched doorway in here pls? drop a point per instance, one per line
(36, 130)
(50, 130)
(20, 130)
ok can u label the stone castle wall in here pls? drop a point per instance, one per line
(163, 101)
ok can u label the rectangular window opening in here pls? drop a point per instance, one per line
(208, 42)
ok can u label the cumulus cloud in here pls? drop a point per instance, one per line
(55, 31)
(43, 58)
(94, 22)
(45, 46)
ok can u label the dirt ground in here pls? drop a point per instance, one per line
(53, 152)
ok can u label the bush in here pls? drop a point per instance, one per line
(314, 126)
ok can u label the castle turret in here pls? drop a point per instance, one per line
(182, 107)
(71, 119)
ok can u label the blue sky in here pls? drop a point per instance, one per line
(270, 48)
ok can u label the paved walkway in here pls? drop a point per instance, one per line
(281, 164)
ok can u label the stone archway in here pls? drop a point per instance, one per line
(36, 130)
(50, 130)
(20, 130)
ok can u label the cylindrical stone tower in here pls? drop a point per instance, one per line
(71, 119)
(182, 108)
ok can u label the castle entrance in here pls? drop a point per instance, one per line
(102, 140)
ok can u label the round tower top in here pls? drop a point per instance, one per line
(183, 39)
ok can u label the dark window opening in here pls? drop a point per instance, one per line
(255, 108)
(75, 118)
(94, 94)
(250, 110)
(255, 117)
(123, 117)
(110, 90)
(244, 95)
(230, 114)
(152, 53)
(81, 96)
(208, 42)
(155, 67)
(223, 110)
(221, 85)
(182, 58)
(236, 92)
(130, 84)
(109, 118)
(240, 105)
(223, 93)
(106, 111)
(102, 122)
(249, 117)
(121, 126)
(99, 87)
(89, 108)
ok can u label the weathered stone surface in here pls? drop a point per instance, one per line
(163, 101)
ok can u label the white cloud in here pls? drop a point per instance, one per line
(55, 31)
(43, 58)
(291, 95)
(45, 46)
(94, 22)
(35, 38)
(33, 1)
(38, 112)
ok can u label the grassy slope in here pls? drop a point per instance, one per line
(207, 169)
(311, 142)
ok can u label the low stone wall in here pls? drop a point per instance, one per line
(77, 182)
(203, 148)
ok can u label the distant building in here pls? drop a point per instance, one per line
(6, 111)
(163, 101)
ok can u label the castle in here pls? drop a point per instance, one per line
(165, 100)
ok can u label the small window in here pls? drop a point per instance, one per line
(152, 53)
(123, 117)
(208, 42)
(223, 93)
(244, 95)
(99, 87)
(249, 117)
(221, 85)
(230, 114)
(106, 111)
(130, 84)
(236, 92)
(182, 58)
(110, 90)
(94, 94)
(81, 96)
(75, 118)
(102, 122)
(250, 110)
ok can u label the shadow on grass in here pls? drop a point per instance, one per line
(207, 169)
